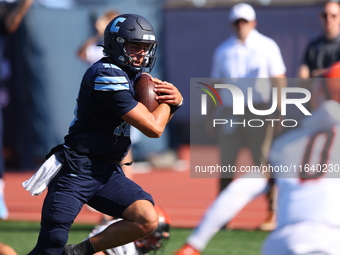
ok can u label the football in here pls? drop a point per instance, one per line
(144, 92)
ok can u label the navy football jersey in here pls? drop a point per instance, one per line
(106, 93)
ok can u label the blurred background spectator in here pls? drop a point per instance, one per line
(324, 50)
(247, 54)
(90, 51)
(11, 16)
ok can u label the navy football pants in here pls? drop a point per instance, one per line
(101, 185)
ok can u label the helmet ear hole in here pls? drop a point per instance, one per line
(120, 40)
(122, 58)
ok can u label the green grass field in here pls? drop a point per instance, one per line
(22, 237)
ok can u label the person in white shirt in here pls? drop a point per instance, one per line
(246, 59)
(247, 54)
(308, 197)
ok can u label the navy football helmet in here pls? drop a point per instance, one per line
(130, 28)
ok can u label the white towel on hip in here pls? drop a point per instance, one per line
(40, 180)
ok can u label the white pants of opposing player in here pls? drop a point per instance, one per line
(304, 238)
(230, 201)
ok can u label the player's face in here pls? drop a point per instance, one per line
(137, 51)
(243, 27)
(330, 17)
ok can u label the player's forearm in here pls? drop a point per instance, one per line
(161, 117)
(151, 124)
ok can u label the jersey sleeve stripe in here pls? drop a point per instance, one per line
(111, 83)
(110, 80)
(116, 87)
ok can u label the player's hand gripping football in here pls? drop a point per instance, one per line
(169, 94)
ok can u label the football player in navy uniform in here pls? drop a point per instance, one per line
(86, 168)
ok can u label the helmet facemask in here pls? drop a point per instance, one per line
(148, 58)
(125, 30)
(154, 243)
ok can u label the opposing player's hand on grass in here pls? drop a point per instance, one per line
(169, 93)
